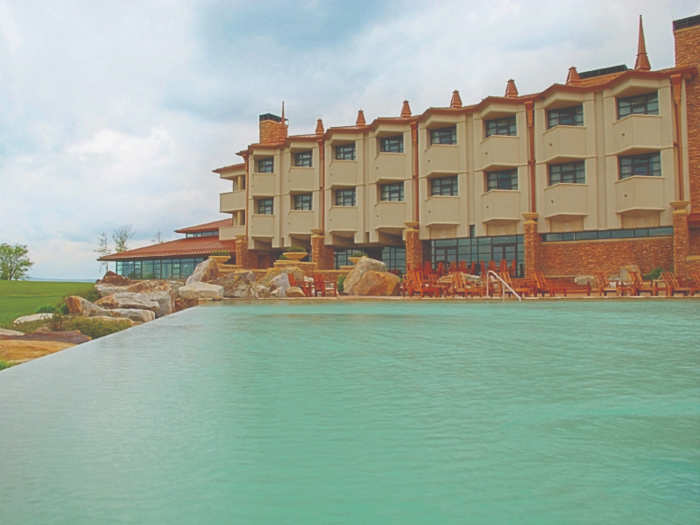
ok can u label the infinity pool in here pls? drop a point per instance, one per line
(364, 413)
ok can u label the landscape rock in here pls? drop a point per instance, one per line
(239, 284)
(10, 332)
(72, 336)
(79, 306)
(373, 283)
(138, 301)
(279, 285)
(624, 272)
(205, 271)
(199, 290)
(261, 292)
(585, 279)
(471, 278)
(108, 319)
(363, 265)
(295, 291)
(266, 280)
(20, 351)
(115, 279)
(138, 316)
(30, 318)
(162, 292)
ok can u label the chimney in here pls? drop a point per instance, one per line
(642, 63)
(270, 128)
(686, 33)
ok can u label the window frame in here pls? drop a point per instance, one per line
(650, 160)
(343, 152)
(444, 186)
(345, 195)
(387, 192)
(302, 157)
(502, 175)
(576, 115)
(444, 136)
(507, 124)
(262, 165)
(300, 200)
(565, 170)
(392, 144)
(265, 206)
(638, 108)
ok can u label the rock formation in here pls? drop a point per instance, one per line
(205, 271)
(198, 290)
(374, 283)
(363, 265)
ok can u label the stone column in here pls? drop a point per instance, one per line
(243, 255)
(680, 238)
(414, 246)
(321, 255)
(533, 241)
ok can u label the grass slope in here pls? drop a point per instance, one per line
(19, 298)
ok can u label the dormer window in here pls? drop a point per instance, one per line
(565, 117)
(266, 165)
(640, 105)
(501, 126)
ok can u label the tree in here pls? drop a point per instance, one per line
(121, 237)
(103, 249)
(158, 239)
(14, 262)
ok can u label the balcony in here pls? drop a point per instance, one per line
(229, 233)
(262, 184)
(388, 167)
(300, 222)
(390, 215)
(262, 226)
(637, 132)
(500, 206)
(565, 202)
(564, 143)
(442, 158)
(232, 201)
(343, 173)
(301, 180)
(500, 150)
(342, 219)
(639, 196)
(442, 212)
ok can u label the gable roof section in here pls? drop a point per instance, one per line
(192, 246)
(206, 227)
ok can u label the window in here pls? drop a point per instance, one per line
(303, 202)
(345, 197)
(501, 126)
(265, 206)
(392, 192)
(502, 180)
(391, 144)
(444, 135)
(345, 152)
(649, 164)
(394, 258)
(569, 173)
(266, 165)
(640, 105)
(444, 186)
(565, 117)
(304, 159)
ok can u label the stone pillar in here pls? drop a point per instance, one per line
(322, 255)
(680, 238)
(414, 246)
(533, 241)
(244, 258)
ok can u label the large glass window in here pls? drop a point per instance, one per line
(158, 268)
(265, 206)
(444, 186)
(304, 159)
(444, 135)
(640, 105)
(394, 258)
(392, 192)
(391, 144)
(345, 152)
(608, 234)
(501, 126)
(345, 197)
(569, 173)
(565, 117)
(303, 202)
(214, 233)
(502, 180)
(648, 164)
(266, 165)
(486, 249)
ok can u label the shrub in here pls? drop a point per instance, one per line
(341, 282)
(6, 364)
(296, 249)
(654, 274)
(283, 257)
(46, 309)
(89, 295)
(221, 253)
(89, 326)
(359, 254)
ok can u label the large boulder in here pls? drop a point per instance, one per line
(374, 283)
(161, 292)
(279, 285)
(200, 290)
(295, 291)
(82, 307)
(79, 306)
(261, 292)
(139, 301)
(205, 271)
(115, 279)
(266, 280)
(138, 316)
(624, 272)
(239, 284)
(22, 350)
(363, 266)
(31, 318)
(72, 336)
(585, 279)
(10, 332)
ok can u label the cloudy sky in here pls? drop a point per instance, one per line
(115, 112)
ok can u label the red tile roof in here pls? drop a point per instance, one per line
(190, 246)
(207, 227)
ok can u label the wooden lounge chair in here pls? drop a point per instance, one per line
(442, 288)
(465, 288)
(673, 286)
(604, 286)
(521, 289)
(321, 286)
(417, 283)
(564, 288)
(305, 287)
(641, 286)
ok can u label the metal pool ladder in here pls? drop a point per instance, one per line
(503, 291)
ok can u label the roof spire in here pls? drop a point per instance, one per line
(360, 119)
(319, 127)
(642, 62)
(456, 101)
(572, 77)
(511, 90)
(406, 109)
(283, 119)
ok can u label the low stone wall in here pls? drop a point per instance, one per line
(584, 257)
(307, 267)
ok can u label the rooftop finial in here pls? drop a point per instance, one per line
(642, 62)
(572, 77)
(360, 119)
(511, 90)
(406, 109)
(319, 127)
(456, 101)
(283, 120)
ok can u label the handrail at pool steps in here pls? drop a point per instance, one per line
(503, 283)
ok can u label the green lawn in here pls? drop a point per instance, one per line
(19, 298)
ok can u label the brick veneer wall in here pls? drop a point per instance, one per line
(694, 242)
(580, 258)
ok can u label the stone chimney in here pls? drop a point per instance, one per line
(270, 128)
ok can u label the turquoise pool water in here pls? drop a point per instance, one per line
(364, 413)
